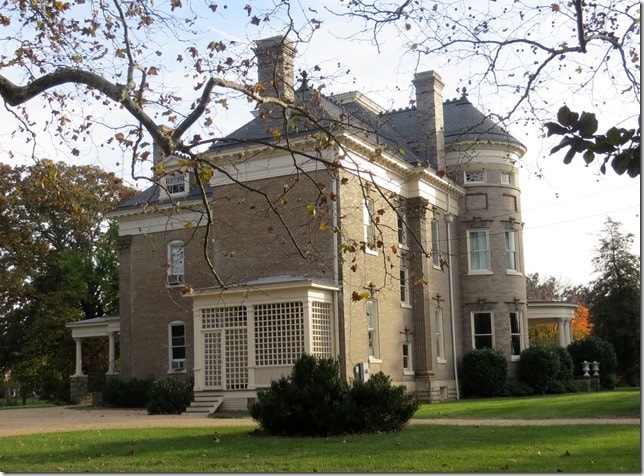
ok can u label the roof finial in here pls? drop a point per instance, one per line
(464, 93)
(305, 82)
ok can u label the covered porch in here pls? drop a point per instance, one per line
(97, 327)
(552, 312)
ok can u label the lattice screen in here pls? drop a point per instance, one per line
(225, 340)
(321, 329)
(279, 333)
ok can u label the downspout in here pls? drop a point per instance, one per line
(338, 278)
(448, 220)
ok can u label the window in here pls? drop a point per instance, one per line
(406, 358)
(370, 224)
(404, 287)
(177, 335)
(402, 230)
(506, 178)
(479, 253)
(436, 257)
(482, 337)
(440, 343)
(175, 263)
(176, 184)
(511, 251)
(372, 327)
(475, 176)
(515, 335)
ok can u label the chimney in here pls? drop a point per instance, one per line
(275, 67)
(429, 118)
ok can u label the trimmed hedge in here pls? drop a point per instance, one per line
(540, 367)
(169, 396)
(316, 401)
(485, 372)
(120, 394)
(595, 348)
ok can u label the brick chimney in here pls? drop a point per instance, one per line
(275, 67)
(429, 118)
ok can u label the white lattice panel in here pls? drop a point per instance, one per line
(321, 329)
(279, 333)
(236, 359)
(212, 359)
(223, 317)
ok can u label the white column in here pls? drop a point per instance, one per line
(111, 358)
(562, 332)
(568, 327)
(79, 357)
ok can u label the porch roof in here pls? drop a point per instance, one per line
(95, 327)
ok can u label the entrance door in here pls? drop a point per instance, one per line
(226, 359)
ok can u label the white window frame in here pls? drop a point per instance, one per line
(177, 184)
(369, 221)
(516, 334)
(438, 331)
(475, 176)
(176, 263)
(403, 242)
(407, 360)
(476, 334)
(506, 178)
(436, 258)
(176, 364)
(511, 241)
(484, 252)
(373, 337)
(405, 298)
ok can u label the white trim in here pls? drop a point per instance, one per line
(488, 269)
(405, 287)
(491, 313)
(171, 360)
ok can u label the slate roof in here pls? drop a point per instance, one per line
(395, 130)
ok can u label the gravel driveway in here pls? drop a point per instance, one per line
(22, 421)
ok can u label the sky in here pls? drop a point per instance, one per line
(563, 206)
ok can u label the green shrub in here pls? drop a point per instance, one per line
(593, 348)
(540, 368)
(378, 406)
(169, 396)
(120, 394)
(316, 401)
(517, 388)
(485, 372)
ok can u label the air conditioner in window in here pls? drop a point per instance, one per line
(361, 371)
(178, 365)
(174, 279)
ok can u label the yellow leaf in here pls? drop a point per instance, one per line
(277, 134)
(190, 225)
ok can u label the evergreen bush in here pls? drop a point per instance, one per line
(169, 396)
(120, 394)
(593, 348)
(316, 401)
(540, 368)
(485, 372)
(517, 388)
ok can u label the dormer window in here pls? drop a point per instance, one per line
(177, 185)
(475, 176)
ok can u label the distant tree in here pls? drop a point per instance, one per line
(581, 325)
(614, 301)
(550, 288)
(543, 334)
(58, 263)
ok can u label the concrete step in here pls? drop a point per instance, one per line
(205, 402)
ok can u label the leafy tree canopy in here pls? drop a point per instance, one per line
(58, 263)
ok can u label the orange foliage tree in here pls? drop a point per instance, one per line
(581, 325)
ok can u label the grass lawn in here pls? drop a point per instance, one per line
(619, 403)
(595, 448)
(419, 448)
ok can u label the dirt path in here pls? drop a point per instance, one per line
(22, 421)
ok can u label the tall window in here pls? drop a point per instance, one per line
(372, 327)
(404, 287)
(176, 267)
(406, 357)
(177, 335)
(402, 230)
(506, 178)
(482, 337)
(515, 334)
(511, 251)
(436, 258)
(479, 253)
(369, 224)
(440, 342)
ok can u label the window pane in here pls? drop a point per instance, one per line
(514, 323)
(482, 323)
(435, 242)
(483, 342)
